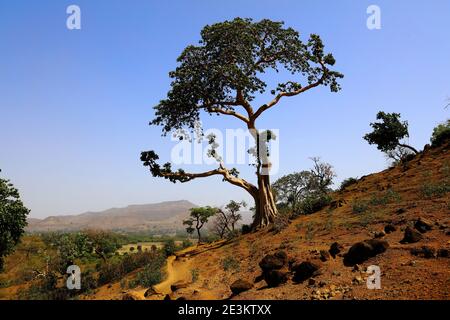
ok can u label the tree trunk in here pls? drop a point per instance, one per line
(199, 237)
(265, 207)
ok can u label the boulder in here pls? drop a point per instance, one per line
(425, 252)
(361, 251)
(274, 278)
(240, 286)
(179, 285)
(273, 261)
(335, 249)
(380, 234)
(389, 228)
(423, 225)
(167, 297)
(411, 236)
(443, 253)
(305, 270)
(128, 296)
(149, 292)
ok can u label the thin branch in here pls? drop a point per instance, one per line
(269, 105)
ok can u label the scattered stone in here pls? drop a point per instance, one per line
(412, 263)
(356, 268)
(400, 211)
(425, 251)
(361, 251)
(335, 249)
(149, 292)
(380, 234)
(411, 236)
(240, 286)
(336, 273)
(324, 255)
(273, 261)
(128, 296)
(274, 278)
(179, 285)
(167, 297)
(443, 253)
(305, 270)
(311, 281)
(389, 228)
(179, 298)
(357, 280)
(423, 225)
(322, 283)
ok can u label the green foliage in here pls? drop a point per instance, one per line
(199, 216)
(186, 243)
(234, 54)
(195, 274)
(246, 228)
(310, 231)
(380, 199)
(435, 190)
(230, 264)
(359, 206)
(169, 247)
(348, 182)
(13, 218)
(314, 203)
(388, 132)
(152, 273)
(441, 134)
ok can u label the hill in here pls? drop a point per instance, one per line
(164, 217)
(402, 200)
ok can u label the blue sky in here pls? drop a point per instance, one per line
(75, 104)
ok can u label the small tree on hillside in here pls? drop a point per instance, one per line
(13, 218)
(225, 220)
(198, 218)
(223, 74)
(388, 132)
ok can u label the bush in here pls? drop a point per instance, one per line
(152, 273)
(347, 182)
(281, 222)
(246, 228)
(169, 247)
(313, 204)
(440, 134)
(230, 263)
(195, 273)
(359, 206)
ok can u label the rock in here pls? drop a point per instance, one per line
(179, 285)
(357, 280)
(425, 251)
(324, 255)
(400, 211)
(128, 296)
(311, 281)
(322, 283)
(240, 286)
(361, 251)
(411, 236)
(443, 253)
(389, 228)
(356, 268)
(179, 298)
(149, 292)
(167, 297)
(274, 278)
(336, 273)
(335, 249)
(273, 262)
(423, 225)
(305, 270)
(380, 234)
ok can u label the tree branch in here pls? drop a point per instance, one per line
(269, 105)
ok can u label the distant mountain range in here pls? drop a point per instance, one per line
(158, 218)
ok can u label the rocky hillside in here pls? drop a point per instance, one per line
(397, 220)
(161, 217)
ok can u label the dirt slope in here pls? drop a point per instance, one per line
(397, 196)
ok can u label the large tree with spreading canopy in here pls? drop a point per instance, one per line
(222, 76)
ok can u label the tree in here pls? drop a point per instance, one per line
(199, 216)
(13, 218)
(294, 188)
(223, 74)
(388, 132)
(225, 220)
(441, 133)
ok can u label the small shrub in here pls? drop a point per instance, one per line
(431, 190)
(230, 264)
(246, 228)
(313, 204)
(152, 273)
(441, 134)
(194, 274)
(169, 247)
(388, 197)
(309, 235)
(359, 206)
(348, 182)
